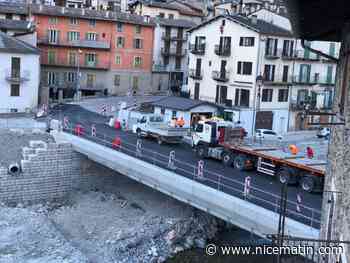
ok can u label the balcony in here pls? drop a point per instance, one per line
(197, 49)
(195, 74)
(313, 80)
(278, 80)
(76, 43)
(298, 55)
(17, 76)
(222, 51)
(173, 52)
(62, 61)
(270, 54)
(166, 68)
(169, 37)
(220, 76)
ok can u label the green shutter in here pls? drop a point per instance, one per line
(329, 74)
(306, 51)
(332, 49)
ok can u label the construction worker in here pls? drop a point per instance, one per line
(116, 143)
(180, 122)
(309, 152)
(293, 149)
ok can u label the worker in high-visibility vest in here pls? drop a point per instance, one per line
(293, 149)
(180, 122)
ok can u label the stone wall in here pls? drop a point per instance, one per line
(47, 171)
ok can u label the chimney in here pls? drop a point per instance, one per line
(254, 19)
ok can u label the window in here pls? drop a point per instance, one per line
(90, 80)
(15, 67)
(282, 95)
(137, 62)
(73, 21)
(14, 90)
(53, 36)
(173, 114)
(246, 41)
(90, 59)
(271, 47)
(92, 22)
(51, 78)
(221, 95)
(135, 82)
(196, 91)
(199, 127)
(9, 16)
(119, 27)
(72, 58)
(285, 73)
(137, 29)
(242, 98)
(269, 72)
(118, 60)
(51, 57)
(73, 36)
(162, 111)
(91, 36)
(71, 76)
(137, 43)
(244, 68)
(171, 16)
(267, 95)
(304, 73)
(120, 42)
(161, 15)
(53, 20)
(288, 48)
(116, 80)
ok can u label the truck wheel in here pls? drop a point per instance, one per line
(138, 132)
(307, 183)
(202, 151)
(159, 140)
(227, 159)
(283, 176)
(239, 162)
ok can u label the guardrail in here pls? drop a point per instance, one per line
(307, 215)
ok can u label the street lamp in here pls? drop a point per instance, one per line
(259, 82)
(78, 75)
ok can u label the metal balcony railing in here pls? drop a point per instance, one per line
(171, 37)
(222, 76)
(195, 73)
(166, 68)
(75, 43)
(222, 51)
(61, 60)
(314, 80)
(173, 52)
(197, 49)
(17, 76)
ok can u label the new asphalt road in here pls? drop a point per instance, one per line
(265, 190)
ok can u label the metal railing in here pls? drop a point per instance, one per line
(220, 75)
(307, 215)
(16, 75)
(197, 49)
(195, 74)
(222, 50)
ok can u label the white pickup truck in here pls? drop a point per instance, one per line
(155, 127)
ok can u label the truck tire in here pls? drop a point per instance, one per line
(239, 162)
(138, 132)
(308, 184)
(227, 158)
(283, 176)
(202, 151)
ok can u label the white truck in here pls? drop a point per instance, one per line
(154, 126)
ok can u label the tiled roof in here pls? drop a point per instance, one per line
(75, 12)
(260, 26)
(175, 22)
(179, 103)
(16, 25)
(12, 45)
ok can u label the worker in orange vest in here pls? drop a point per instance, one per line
(293, 149)
(180, 122)
(116, 143)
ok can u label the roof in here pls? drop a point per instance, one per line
(260, 26)
(180, 103)
(175, 22)
(183, 8)
(12, 45)
(318, 20)
(19, 25)
(82, 13)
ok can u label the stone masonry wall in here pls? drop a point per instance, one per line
(48, 170)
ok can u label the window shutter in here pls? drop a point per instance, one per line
(141, 43)
(267, 46)
(276, 45)
(239, 67)
(68, 39)
(241, 41)
(58, 36)
(86, 36)
(273, 73)
(78, 35)
(134, 43)
(253, 41)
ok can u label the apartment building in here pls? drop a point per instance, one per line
(258, 71)
(92, 51)
(172, 10)
(170, 54)
(19, 75)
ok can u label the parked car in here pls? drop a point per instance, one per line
(324, 132)
(267, 134)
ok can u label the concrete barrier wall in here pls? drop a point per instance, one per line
(47, 171)
(237, 211)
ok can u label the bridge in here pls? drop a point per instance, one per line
(214, 192)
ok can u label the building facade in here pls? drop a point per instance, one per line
(170, 54)
(230, 52)
(19, 75)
